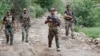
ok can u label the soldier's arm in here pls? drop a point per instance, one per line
(3, 23)
(29, 21)
(14, 23)
(48, 20)
(67, 16)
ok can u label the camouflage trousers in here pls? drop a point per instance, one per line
(25, 30)
(9, 35)
(69, 25)
(53, 33)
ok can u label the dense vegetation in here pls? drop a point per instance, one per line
(3, 7)
(86, 12)
(35, 7)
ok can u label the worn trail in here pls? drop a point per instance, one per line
(38, 43)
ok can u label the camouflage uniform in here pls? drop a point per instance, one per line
(53, 30)
(25, 20)
(9, 29)
(69, 23)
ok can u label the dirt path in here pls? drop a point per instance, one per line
(37, 45)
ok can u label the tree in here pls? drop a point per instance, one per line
(17, 6)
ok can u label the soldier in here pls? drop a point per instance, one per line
(9, 24)
(69, 20)
(53, 23)
(25, 22)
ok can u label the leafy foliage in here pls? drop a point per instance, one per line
(45, 3)
(3, 7)
(17, 6)
(83, 9)
(39, 11)
(61, 7)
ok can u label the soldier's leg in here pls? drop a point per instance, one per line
(57, 42)
(11, 36)
(7, 35)
(67, 28)
(23, 34)
(72, 30)
(56, 38)
(26, 30)
(50, 38)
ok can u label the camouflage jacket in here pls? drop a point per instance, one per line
(25, 19)
(54, 23)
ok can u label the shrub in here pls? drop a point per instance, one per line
(61, 7)
(38, 11)
(83, 9)
(3, 8)
(45, 3)
(76, 29)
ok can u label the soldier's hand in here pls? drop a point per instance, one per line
(4, 22)
(50, 20)
(72, 20)
(70, 17)
(45, 22)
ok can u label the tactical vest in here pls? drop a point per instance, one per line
(25, 19)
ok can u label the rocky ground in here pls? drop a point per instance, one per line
(38, 43)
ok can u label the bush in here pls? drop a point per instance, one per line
(76, 29)
(38, 11)
(32, 11)
(61, 7)
(45, 3)
(83, 9)
(17, 6)
(96, 16)
(4, 7)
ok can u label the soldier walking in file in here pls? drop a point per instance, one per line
(53, 23)
(9, 24)
(25, 22)
(69, 21)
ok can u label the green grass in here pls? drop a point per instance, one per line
(93, 32)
